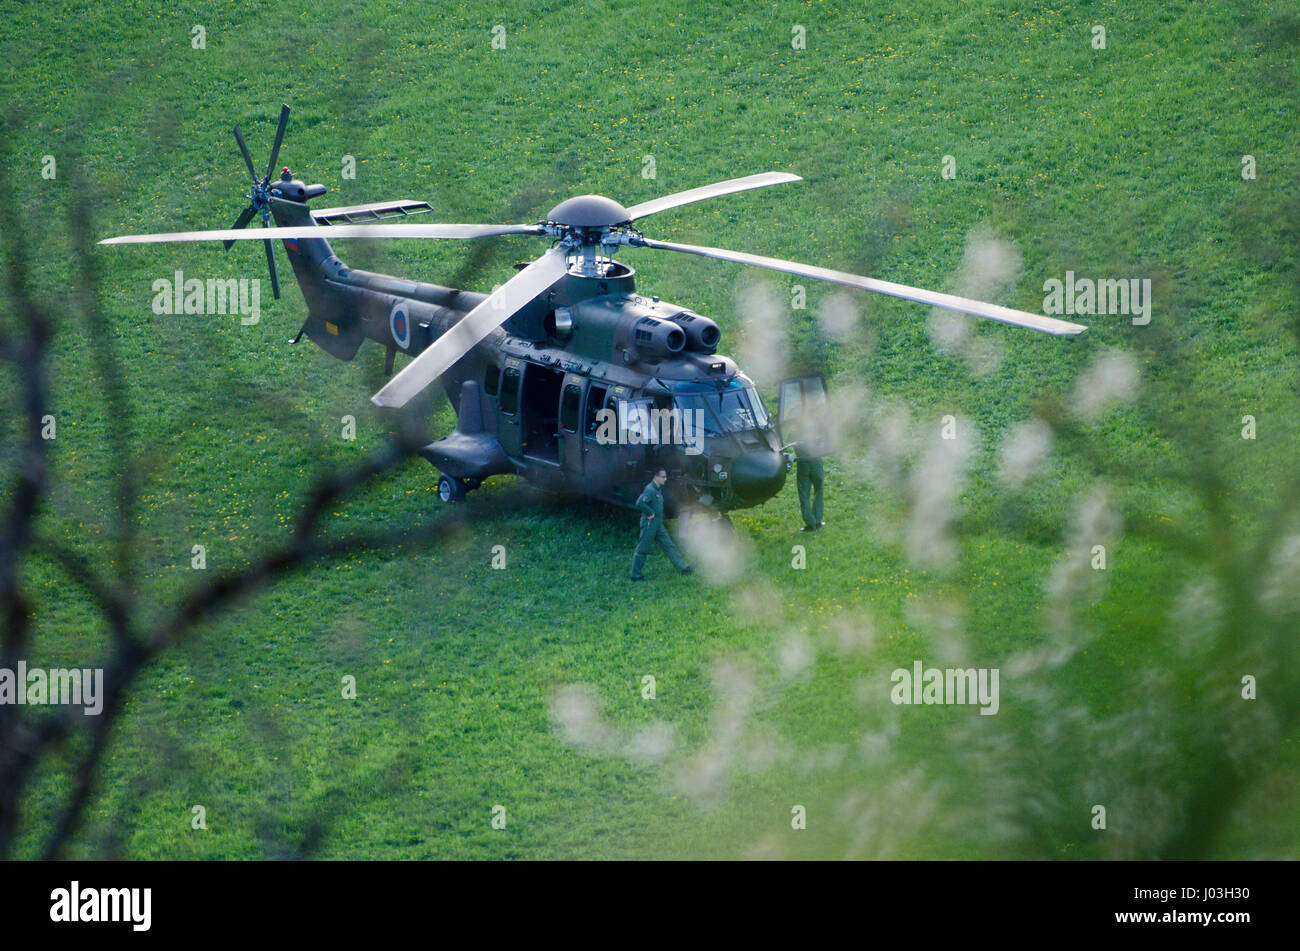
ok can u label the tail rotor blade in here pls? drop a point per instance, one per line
(270, 262)
(243, 149)
(244, 218)
(279, 137)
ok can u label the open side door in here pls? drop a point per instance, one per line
(802, 414)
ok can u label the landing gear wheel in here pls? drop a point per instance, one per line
(451, 490)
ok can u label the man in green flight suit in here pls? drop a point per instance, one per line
(811, 479)
(650, 503)
(807, 430)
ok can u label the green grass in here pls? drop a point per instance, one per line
(1118, 162)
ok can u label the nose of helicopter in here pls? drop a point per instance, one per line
(758, 475)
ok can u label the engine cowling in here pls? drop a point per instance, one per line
(702, 334)
(655, 339)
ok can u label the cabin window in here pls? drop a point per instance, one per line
(510, 391)
(569, 407)
(492, 381)
(595, 400)
(634, 420)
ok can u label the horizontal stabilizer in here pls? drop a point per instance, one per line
(468, 452)
(375, 211)
(468, 457)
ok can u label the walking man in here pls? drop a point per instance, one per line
(651, 506)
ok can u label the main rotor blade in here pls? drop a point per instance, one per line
(1006, 315)
(465, 335)
(275, 277)
(243, 149)
(331, 232)
(279, 137)
(244, 218)
(762, 180)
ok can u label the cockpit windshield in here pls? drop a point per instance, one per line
(731, 408)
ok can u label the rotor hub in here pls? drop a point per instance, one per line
(587, 225)
(259, 196)
(589, 211)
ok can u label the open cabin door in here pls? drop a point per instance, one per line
(802, 416)
(508, 386)
(570, 437)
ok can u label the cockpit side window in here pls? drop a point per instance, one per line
(791, 401)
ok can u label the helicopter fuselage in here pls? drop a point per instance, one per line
(586, 390)
(564, 374)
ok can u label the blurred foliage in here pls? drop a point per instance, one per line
(523, 687)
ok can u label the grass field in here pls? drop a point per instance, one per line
(523, 688)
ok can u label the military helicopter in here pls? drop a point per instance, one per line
(565, 374)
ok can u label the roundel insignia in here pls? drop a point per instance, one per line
(399, 322)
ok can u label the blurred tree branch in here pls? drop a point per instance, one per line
(141, 632)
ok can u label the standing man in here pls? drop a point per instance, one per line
(811, 477)
(807, 428)
(650, 503)
(804, 419)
